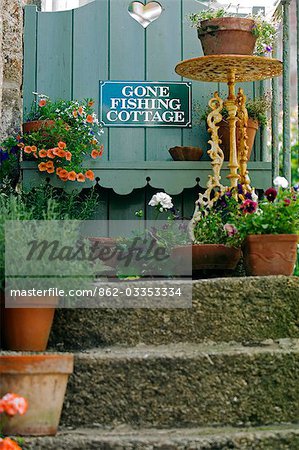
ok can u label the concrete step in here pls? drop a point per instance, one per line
(227, 309)
(267, 438)
(185, 385)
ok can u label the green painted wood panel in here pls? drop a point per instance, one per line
(127, 62)
(55, 54)
(90, 55)
(29, 75)
(163, 52)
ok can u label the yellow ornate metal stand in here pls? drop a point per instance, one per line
(229, 69)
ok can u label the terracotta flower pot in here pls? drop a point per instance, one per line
(28, 328)
(210, 256)
(42, 380)
(36, 125)
(270, 254)
(186, 153)
(227, 36)
(223, 133)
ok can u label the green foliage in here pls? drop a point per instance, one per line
(280, 216)
(257, 109)
(9, 162)
(265, 30)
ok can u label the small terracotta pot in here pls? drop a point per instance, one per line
(42, 380)
(186, 153)
(223, 133)
(210, 256)
(36, 125)
(270, 254)
(227, 36)
(28, 328)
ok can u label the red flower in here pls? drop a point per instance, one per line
(42, 102)
(287, 201)
(9, 444)
(271, 194)
(249, 207)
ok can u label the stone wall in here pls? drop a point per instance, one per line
(11, 64)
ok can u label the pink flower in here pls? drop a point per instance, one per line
(230, 229)
(249, 207)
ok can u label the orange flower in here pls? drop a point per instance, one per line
(49, 164)
(50, 154)
(42, 167)
(72, 176)
(101, 150)
(21, 145)
(42, 102)
(35, 155)
(80, 110)
(67, 127)
(55, 151)
(61, 153)
(51, 170)
(75, 114)
(94, 154)
(89, 118)
(91, 103)
(68, 156)
(63, 175)
(80, 177)
(94, 142)
(27, 149)
(90, 175)
(61, 145)
(58, 170)
(9, 444)
(33, 148)
(42, 153)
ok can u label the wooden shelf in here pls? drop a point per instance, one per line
(172, 176)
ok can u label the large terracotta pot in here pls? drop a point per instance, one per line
(27, 328)
(227, 36)
(209, 256)
(223, 133)
(42, 380)
(36, 125)
(186, 153)
(270, 254)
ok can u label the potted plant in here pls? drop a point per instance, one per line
(270, 231)
(27, 325)
(257, 117)
(59, 136)
(222, 32)
(42, 380)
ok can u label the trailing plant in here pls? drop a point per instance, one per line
(62, 145)
(264, 29)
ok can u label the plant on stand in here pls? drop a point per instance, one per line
(223, 32)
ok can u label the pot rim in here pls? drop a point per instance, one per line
(37, 363)
(286, 237)
(245, 20)
(207, 245)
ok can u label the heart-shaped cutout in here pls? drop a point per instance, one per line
(145, 14)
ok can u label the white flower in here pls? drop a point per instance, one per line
(281, 182)
(161, 200)
(254, 196)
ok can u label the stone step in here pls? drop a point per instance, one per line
(266, 438)
(185, 385)
(239, 309)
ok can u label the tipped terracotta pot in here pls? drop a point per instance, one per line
(42, 381)
(36, 125)
(252, 127)
(27, 328)
(270, 254)
(227, 36)
(209, 256)
(186, 153)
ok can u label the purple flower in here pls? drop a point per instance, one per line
(248, 196)
(249, 207)
(240, 189)
(228, 194)
(230, 229)
(271, 194)
(296, 187)
(268, 48)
